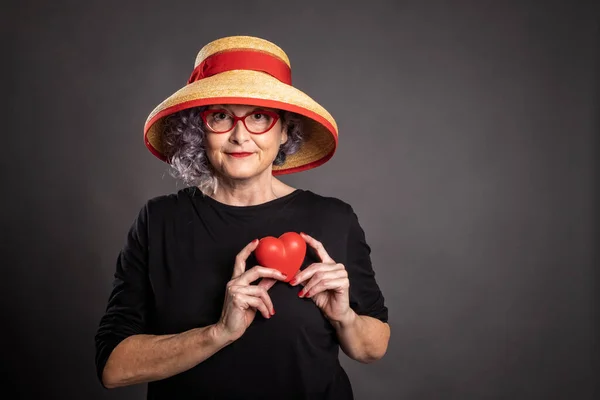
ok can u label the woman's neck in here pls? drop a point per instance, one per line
(249, 192)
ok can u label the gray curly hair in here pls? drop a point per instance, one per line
(183, 144)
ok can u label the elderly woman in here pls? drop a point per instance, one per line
(191, 311)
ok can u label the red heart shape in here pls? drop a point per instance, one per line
(285, 253)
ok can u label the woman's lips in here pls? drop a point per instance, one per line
(239, 155)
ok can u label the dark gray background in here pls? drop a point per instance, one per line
(466, 147)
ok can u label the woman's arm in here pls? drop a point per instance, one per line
(140, 357)
(362, 338)
(362, 329)
(143, 358)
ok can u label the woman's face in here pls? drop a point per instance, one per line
(240, 154)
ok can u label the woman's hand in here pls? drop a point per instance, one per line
(326, 283)
(242, 299)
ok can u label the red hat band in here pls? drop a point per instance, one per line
(242, 59)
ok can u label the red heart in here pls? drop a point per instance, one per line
(285, 254)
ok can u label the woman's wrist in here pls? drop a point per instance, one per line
(220, 335)
(345, 321)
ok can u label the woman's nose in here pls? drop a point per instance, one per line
(239, 134)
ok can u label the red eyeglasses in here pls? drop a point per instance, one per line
(222, 121)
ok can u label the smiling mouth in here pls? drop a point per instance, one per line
(239, 155)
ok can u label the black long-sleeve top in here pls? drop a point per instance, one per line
(171, 276)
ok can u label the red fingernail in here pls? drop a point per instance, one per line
(293, 281)
(273, 312)
(301, 293)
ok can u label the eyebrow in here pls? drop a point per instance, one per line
(226, 106)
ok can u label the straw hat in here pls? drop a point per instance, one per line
(253, 71)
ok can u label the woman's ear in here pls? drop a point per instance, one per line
(284, 136)
(284, 128)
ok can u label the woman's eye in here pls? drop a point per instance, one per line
(258, 116)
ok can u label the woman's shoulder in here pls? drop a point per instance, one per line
(167, 203)
(327, 203)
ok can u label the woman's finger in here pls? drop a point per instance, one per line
(332, 284)
(311, 270)
(260, 272)
(244, 301)
(267, 283)
(256, 291)
(239, 267)
(318, 246)
(323, 276)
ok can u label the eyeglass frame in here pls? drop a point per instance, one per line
(272, 114)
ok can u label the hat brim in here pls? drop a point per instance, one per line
(258, 89)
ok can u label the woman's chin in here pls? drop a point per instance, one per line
(240, 173)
